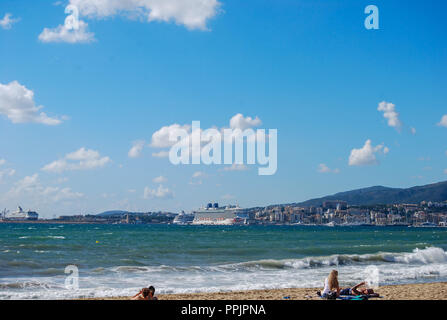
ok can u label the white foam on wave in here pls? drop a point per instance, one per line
(420, 265)
(56, 237)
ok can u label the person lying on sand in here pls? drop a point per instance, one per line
(355, 291)
(332, 289)
(145, 294)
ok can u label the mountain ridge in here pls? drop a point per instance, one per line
(435, 192)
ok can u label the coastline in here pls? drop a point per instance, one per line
(421, 291)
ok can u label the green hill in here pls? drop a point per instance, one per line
(436, 192)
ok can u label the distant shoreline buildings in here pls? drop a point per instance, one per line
(330, 213)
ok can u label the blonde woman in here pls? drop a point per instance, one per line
(331, 288)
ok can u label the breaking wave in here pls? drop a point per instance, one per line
(428, 255)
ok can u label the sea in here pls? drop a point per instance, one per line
(40, 261)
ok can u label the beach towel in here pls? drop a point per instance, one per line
(362, 297)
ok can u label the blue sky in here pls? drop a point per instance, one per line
(307, 68)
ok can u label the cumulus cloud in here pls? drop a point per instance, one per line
(159, 179)
(6, 22)
(82, 159)
(2, 162)
(443, 122)
(366, 155)
(389, 113)
(240, 122)
(323, 168)
(159, 193)
(413, 130)
(17, 104)
(193, 14)
(161, 138)
(30, 186)
(66, 33)
(136, 149)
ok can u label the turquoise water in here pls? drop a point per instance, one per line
(119, 259)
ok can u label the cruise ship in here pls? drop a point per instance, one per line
(20, 215)
(212, 214)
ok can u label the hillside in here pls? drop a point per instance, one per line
(436, 192)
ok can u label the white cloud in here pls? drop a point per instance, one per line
(197, 177)
(445, 171)
(17, 104)
(81, 159)
(443, 122)
(199, 174)
(366, 155)
(61, 180)
(323, 168)
(227, 197)
(196, 182)
(30, 186)
(193, 14)
(161, 154)
(136, 149)
(66, 33)
(159, 179)
(6, 22)
(240, 122)
(389, 112)
(160, 138)
(160, 193)
(236, 167)
(6, 173)
(413, 130)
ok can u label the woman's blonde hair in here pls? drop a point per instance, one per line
(333, 280)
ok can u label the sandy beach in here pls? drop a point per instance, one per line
(425, 291)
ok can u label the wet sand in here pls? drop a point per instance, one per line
(424, 291)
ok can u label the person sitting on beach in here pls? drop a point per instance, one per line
(142, 295)
(331, 288)
(355, 291)
(152, 293)
(145, 294)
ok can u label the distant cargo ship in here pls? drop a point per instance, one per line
(21, 215)
(212, 214)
